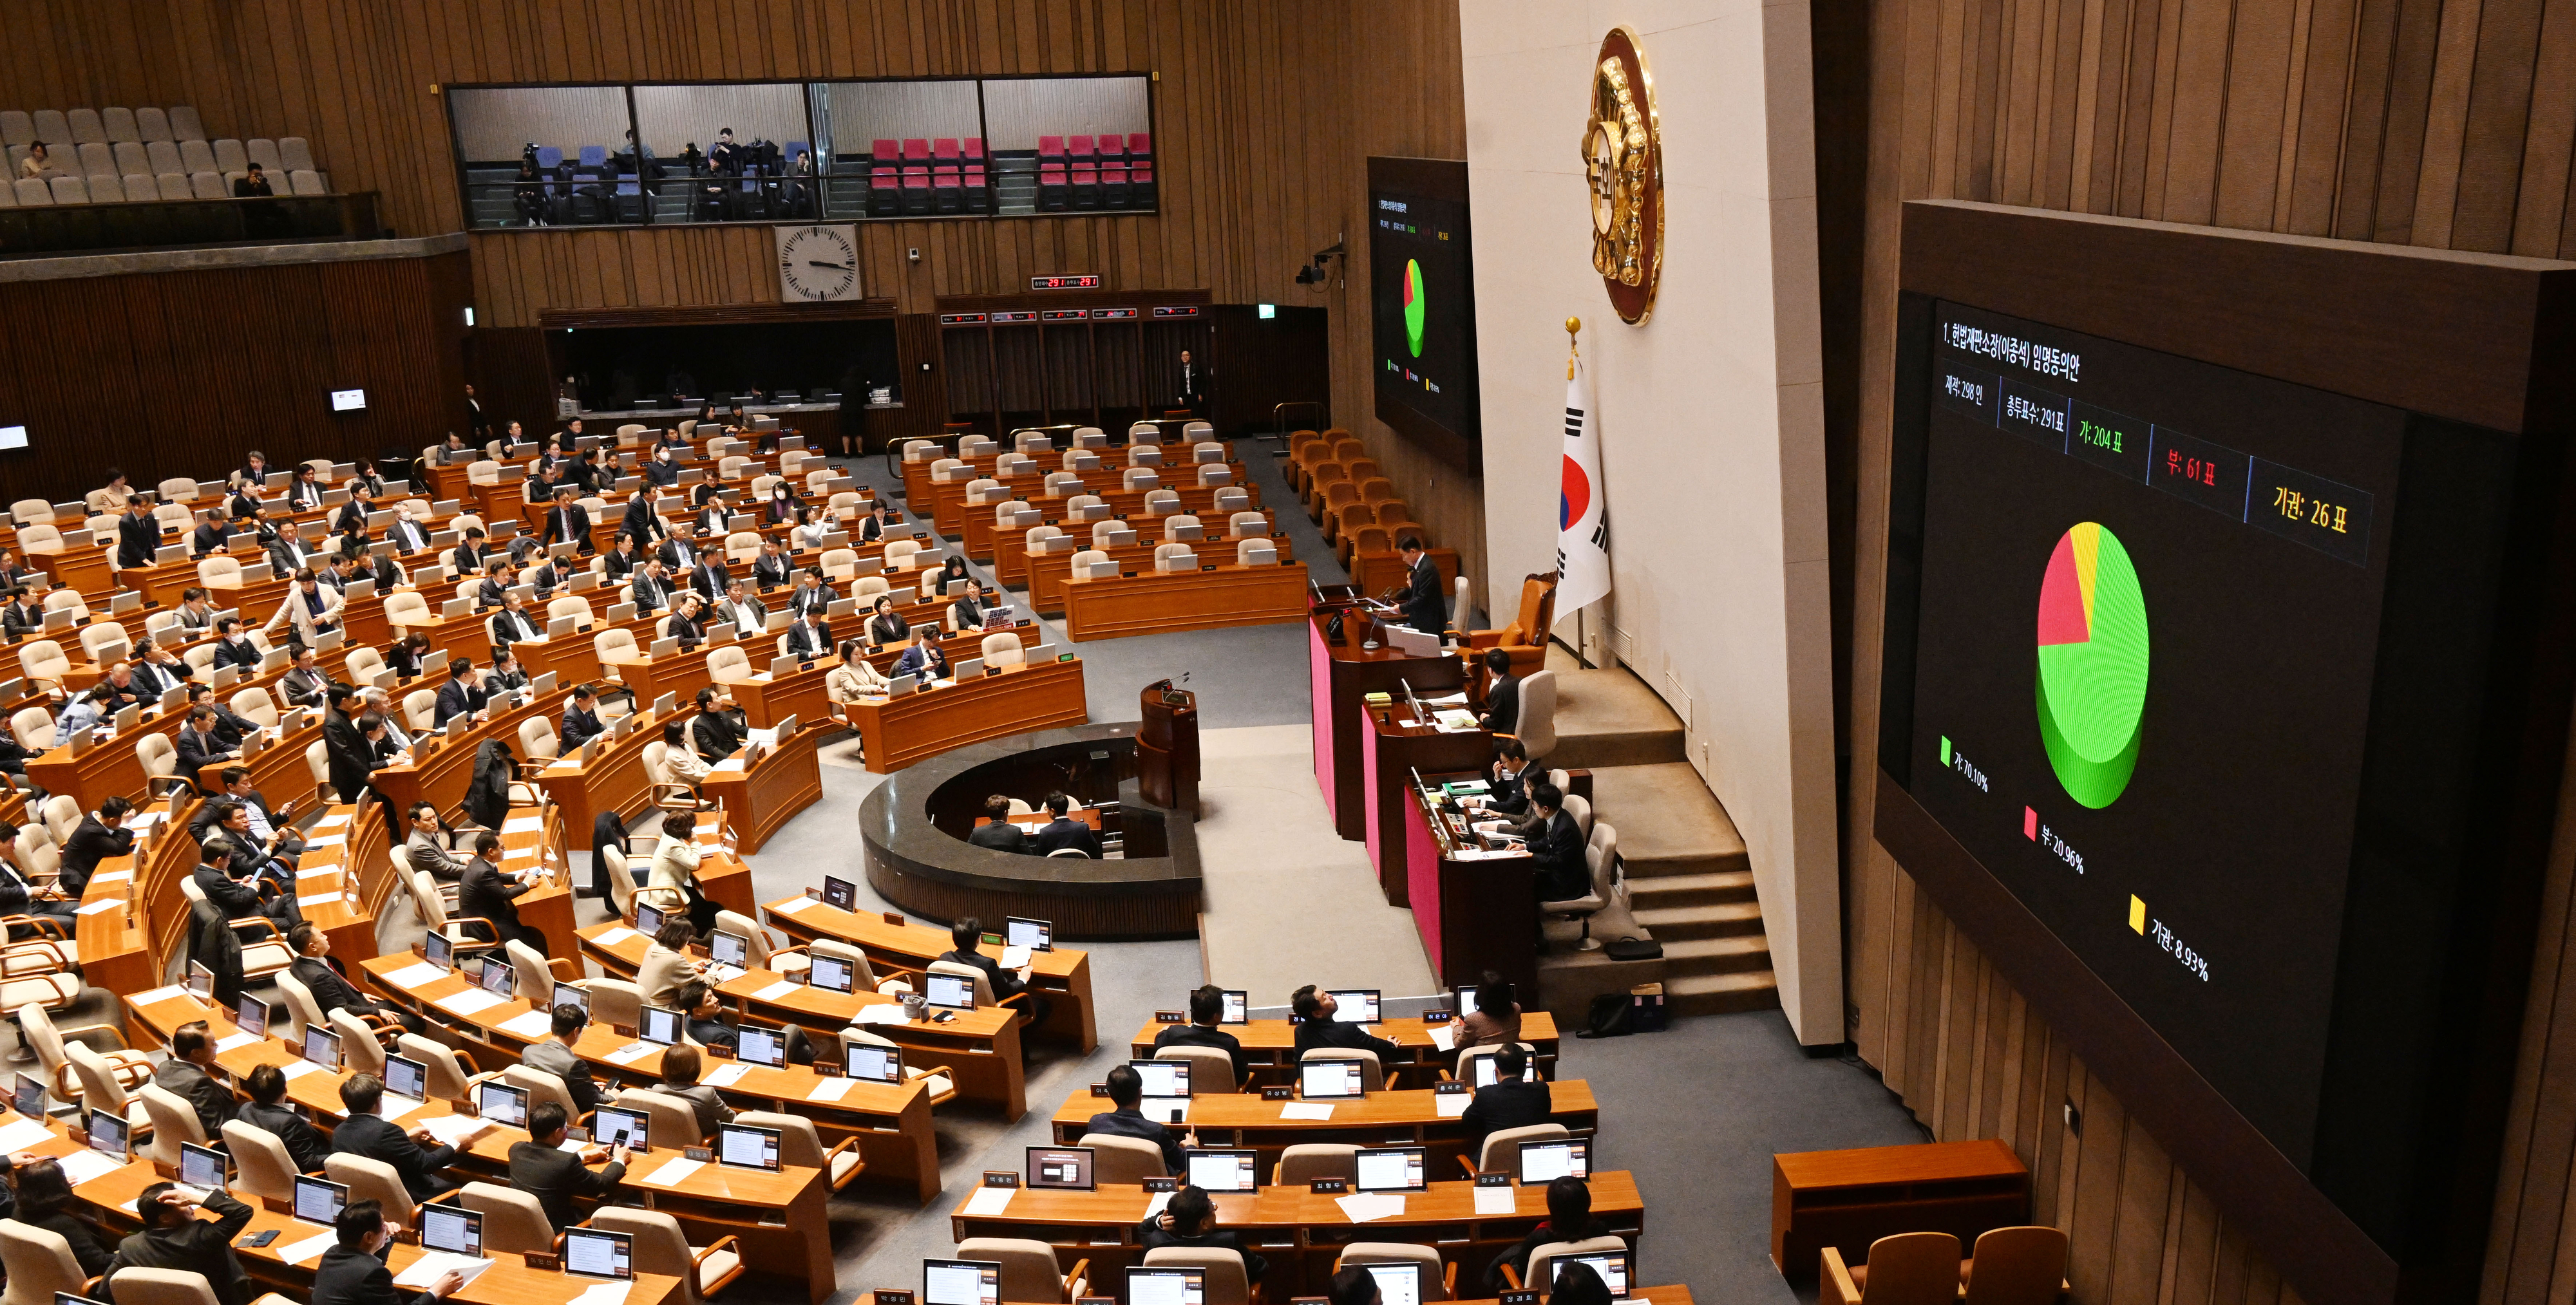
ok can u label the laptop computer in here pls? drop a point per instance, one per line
(1036, 935)
(1166, 1089)
(729, 949)
(1237, 1008)
(406, 1077)
(841, 893)
(1547, 1159)
(498, 975)
(830, 973)
(1612, 1266)
(661, 1026)
(202, 1168)
(648, 919)
(322, 1047)
(1397, 1284)
(1060, 1168)
(109, 1135)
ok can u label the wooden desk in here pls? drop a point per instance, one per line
(1046, 574)
(768, 699)
(1345, 673)
(896, 732)
(760, 800)
(983, 537)
(1848, 1199)
(1300, 1233)
(1242, 1120)
(1011, 557)
(1270, 1046)
(1397, 745)
(615, 780)
(1063, 974)
(980, 1049)
(1154, 602)
(681, 674)
(1473, 913)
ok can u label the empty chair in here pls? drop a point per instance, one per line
(1211, 1068)
(85, 127)
(296, 154)
(450, 1076)
(1920, 1268)
(1117, 1159)
(32, 192)
(230, 157)
(1226, 1281)
(162, 157)
(371, 1180)
(96, 160)
(118, 125)
(16, 128)
(184, 124)
(50, 126)
(264, 153)
(70, 190)
(661, 1247)
(1438, 1282)
(1028, 1268)
(265, 1169)
(132, 1286)
(304, 181)
(108, 190)
(513, 1220)
(2015, 1266)
(197, 156)
(1003, 649)
(206, 185)
(150, 125)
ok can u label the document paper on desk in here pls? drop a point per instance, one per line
(310, 1248)
(84, 1165)
(1497, 1200)
(468, 1002)
(1306, 1110)
(426, 1269)
(883, 1012)
(156, 995)
(830, 1089)
(794, 904)
(21, 1134)
(414, 975)
(775, 991)
(1364, 1207)
(102, 904)
(223, 1045)
(1014, 958)
(989, 1201)
(1444, 1036)
(1451, 1105)
(531, 1024)
(450, 1130)
(523, 825)
(675, 1172)
(606, 1293)
(295, 1069)
(615, 937)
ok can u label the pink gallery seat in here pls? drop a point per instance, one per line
(1140, 145)
(973, 148)
(1078, 147)
(1051, 147)
(1112, 146)
(916, 149)
(944, 149)
(882, 150)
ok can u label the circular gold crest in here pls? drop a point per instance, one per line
(1623, 161)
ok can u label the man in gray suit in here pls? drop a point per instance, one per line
(555, 1056)
(425, 851)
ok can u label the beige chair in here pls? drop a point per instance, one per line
(171, 1287)
(1542, 1273)
(2011, 1266)
(1117, 1159)
(673, 1121)
(362, 1045)
(616, 1003)
(1372, 1074)
(538, 740)
(1003, 649)
(471, 935)
(1161, 502)
(44, 662)
(406, 610)
(1439, 1282)
(254, 705)
(661, 1247)
(512, 1220)
(32, 512)
(263, 1167)
(533, 975)
(371, 1180)
(218, 571)
(174, 1120)
(983, 982)
(33, 727)
(758, 940)
(52, 1045)
(39, 1263)
(541, 1087)
(1537, 726)
(302, 1011)
(800, 1144)
(729, 665)
(1502, 1148)
(901, 554)
(1178, 522)
(1028, 1269)
(621, 882)
(1256, 552)
(451, 1074)
(1226, 1281)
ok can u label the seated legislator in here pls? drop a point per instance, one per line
(1190, 1221)
(1569, 1219)
(569, 522)
(721, 727)
(556, 1177)
(19, 894)
(810, 638)
(1496, 1019)
(463, 694)
(667, 963)
(233, 646)
(174, 1238)
(581, 721)
(999, 833)
(353, 1270)
(425, 847)
(680, 1067)
(696, 1000)
(199, 745)
(1510, 1101)
(967, 613)
(1316, 1011)
(1065, 831)
(855, 677)
(1127, 1119)
(962, 939)
(675, 871)
(771, 569)
(330, 985)
(1207, 1007)
(45, 1201)
(415, 1156)
(554, 1055)
(1502, 712)
(184, 1075)
(1557, 848)
(267, 1109)
(886, 628)
(1505, 793)
(492, 894)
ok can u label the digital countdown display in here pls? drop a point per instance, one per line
(1084, 282)
(1422, 297)
(2148, 615)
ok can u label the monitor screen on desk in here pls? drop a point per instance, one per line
(761, 1047)
(201, 1167)
(830, 973)
(201, 981)
(961, 1282)
(661, 1026)
(322, 1047)
(438, 950)
(1061, 1168)
(1222, 1171)
(954, 991)
(619, 1126)
(1166, 1286)
(108, 1135)
(1163, 1078)
(1319, 1080)
(1611, 1265)
(747, 1146)
(497, 976)
(453, 1229)
(729, 949)
(1036, 935)
(1388, 1169)
(1356, 1005)
(317, 1200)
(648, 919)
(502, 1103)
(874, 1063)
(595, 1253)
(840, 893)
(30, 1096)
(1548, 1159)
(252, 1016)
(1397, 1284)
(406, 1077)
(1238, 1007)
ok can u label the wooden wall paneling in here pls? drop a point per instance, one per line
(2541, 202)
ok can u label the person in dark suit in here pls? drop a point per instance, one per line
(44, 1200)
(1065, 832)
(1506, 794)
(554, 1055)
(1423, 608)
(22, 616)
(688, 622)
(416, 1156)
(252, 184)
(173, 1237)
(963, 937)
(192, 1053)
(1126, 1093)
(1510, 1101)
(354, 1272)
(211, 534)
(813, 592)
(1000, 834)
(330, 985)
(463, 691)
(345, 745)
(1569, 1219)
(696, 1002)
(556, 1177)
(1194, 380)
(967, 613)
(709, 577)
(351, 519)
(100, 835)
(621, 559)
(1502, 695)
(488, 893)
(810, 637)
(569, 523)
(406, 535)
(660, 470)
(198, 745)
(642, 524)
(304, 489)
(1190, 1221)
(1557, 848)
(19, 894)
(497, 581)
(467, 557)
(772, 568)
(1207, 1006)
(581, 718)
(287, 554)
(267, 1109)
(651, 587)
(230, 727)
(679, 553)
(305, 685)
(227, 876)
(747, 615)
(720, 727)
(138, 534)
(1319, 1024)
(923, 658)
(233, 646)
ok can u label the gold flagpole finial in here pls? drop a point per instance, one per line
(1572, 325)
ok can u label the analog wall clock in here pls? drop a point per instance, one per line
(1623, 162)
(817, 264)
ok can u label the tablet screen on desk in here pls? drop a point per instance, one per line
(439, 950)
(830, 973)
(950, 990)
(1163, 1078)
(322, 1047)
(730, 949)
(1550, 1159)
(1397, 1284)
(31, 1096)
(502, 1103)
(1319, 1080)
(661, 1026)
(1611, 1265)
(1221, 1171)
(595, 1253)
(761, 1047)
(745, 1146)
(201, 981)
(405, 1077)
(252, 1017)
(1238, 1007)
(840, 893)
(961, 1282)
(318, 1201)
(453, 1229)
(1166, 1286)
(497, 977)
(201, 1167)
(874, 1063)
(1355, 1005)
(107, 1134)
(1064, 1168)
(648, 919)
(1388, 1169)
(618, 1126)
(1036, 935)
(571, 995)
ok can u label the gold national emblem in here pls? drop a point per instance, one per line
(1623, 160)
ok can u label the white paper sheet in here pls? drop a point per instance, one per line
(466, 1003)
(426, 1269)
(451, 1130)
(327, 840)
(523, 825)
(794, 904)
(989, 1201)
(1445, 1036)
(1364, 1207)
(323, 872)
(234, 1042)
(675, 1172)
(775, 991)
(395, 1106)
(414, 975)
(884, 1012)
(308, 900)
(728, 766)
(1155, 1206)
(615, 937)
(21, 1134)
(1497, 1200)
(116, 877)
(157, 994)
(1014, 958)
(85, 1165)
(630, 1053)
(830, 1089)
(727, 1076)
(1306, 1110)
(310, 1248)
(332, 821)
(1451, 1105)
(104, 904)
(533, 1024)
(606, 1293)
(295, 1069)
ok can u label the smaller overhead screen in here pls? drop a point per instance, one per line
(348, 400)
(1423, 303)
(13, 437)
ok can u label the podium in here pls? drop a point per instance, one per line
(1167, 747)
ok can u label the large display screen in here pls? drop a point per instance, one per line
(2149, 611)
(1422, 296)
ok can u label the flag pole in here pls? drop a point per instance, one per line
(1574, 325)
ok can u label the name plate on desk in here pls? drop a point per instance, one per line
(546, 1262)
(904, 1297)
(1099, 1089)
(1497, 1178)
(1329, 1186)
(1452, 1088)
(894, 919)
(1170, 1017)
(1508, 1298)
(1278, 1094)
(1174, 1184)
(1438, 1016)
(1001, 1178)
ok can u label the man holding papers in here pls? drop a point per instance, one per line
(354, 1272)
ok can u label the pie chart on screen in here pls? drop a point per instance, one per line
(2092, 680)
(1413, 306)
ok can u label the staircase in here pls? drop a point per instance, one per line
(1689, 879)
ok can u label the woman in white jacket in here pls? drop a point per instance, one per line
(313, 608)
(674, 880)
